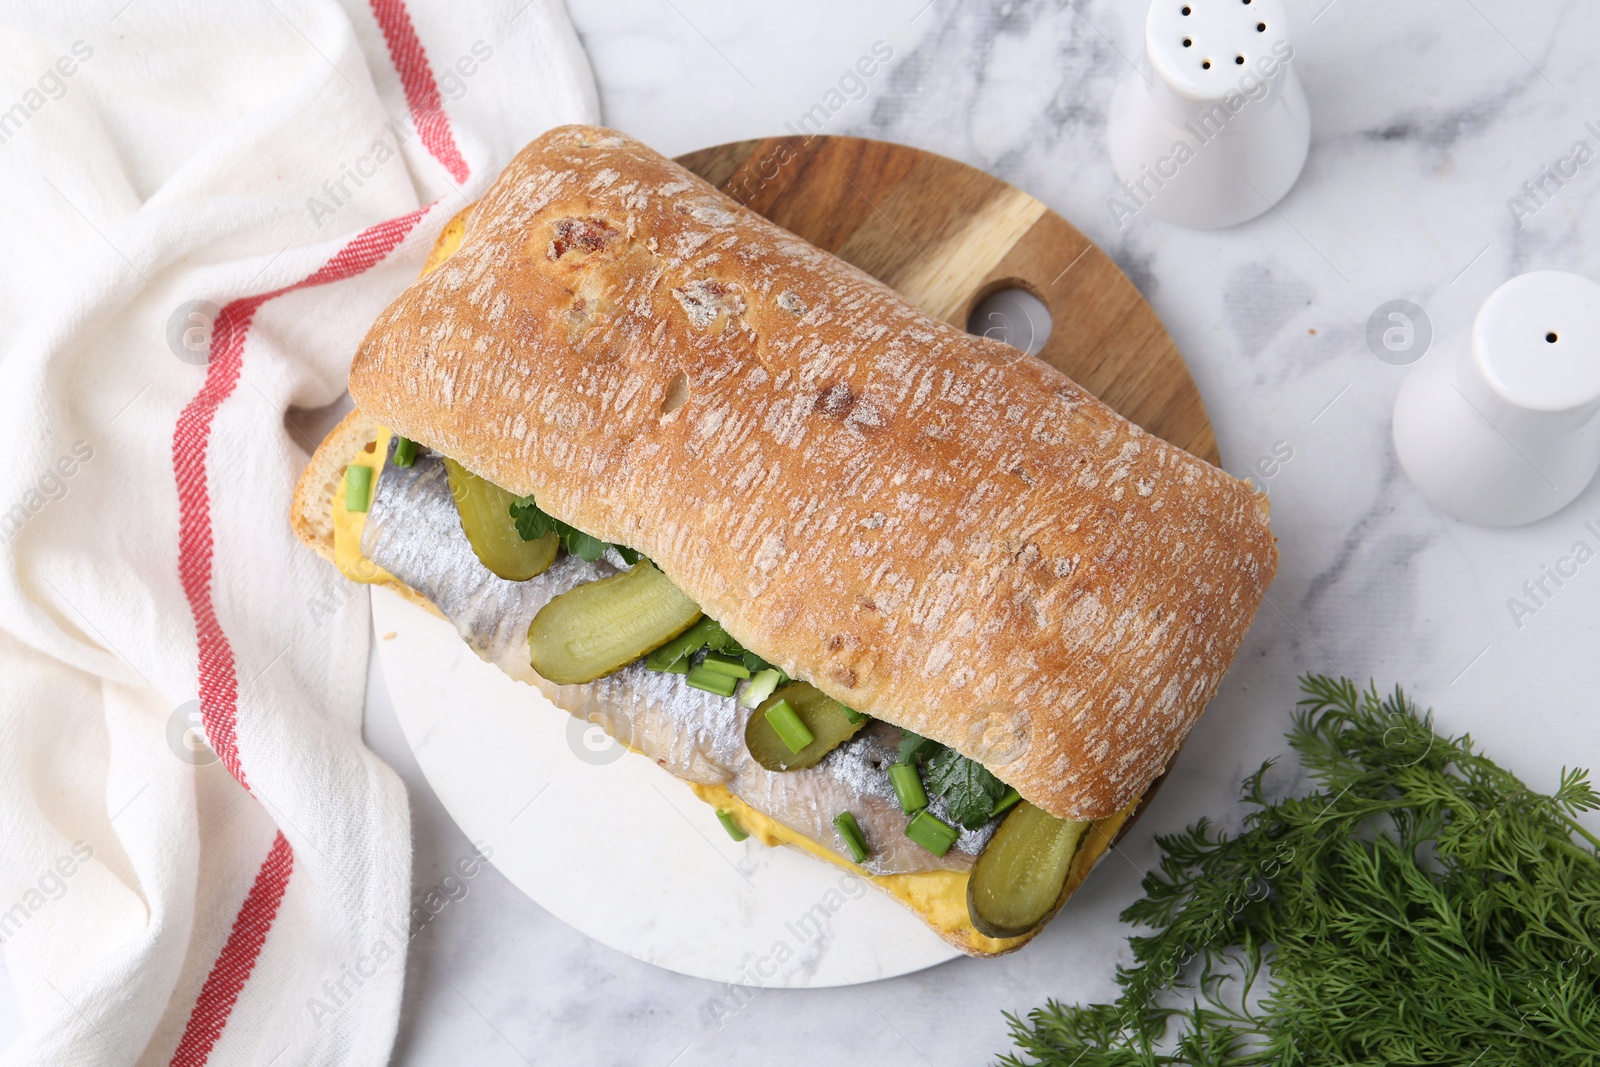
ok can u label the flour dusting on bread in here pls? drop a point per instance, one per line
(927, 525)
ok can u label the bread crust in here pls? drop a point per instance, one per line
(929, 526)
(311, 514)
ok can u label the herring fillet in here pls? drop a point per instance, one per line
(413, 532)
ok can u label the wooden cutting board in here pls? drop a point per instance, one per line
(946, 235)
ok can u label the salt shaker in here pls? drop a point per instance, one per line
(1502, 427)
(1214, 128)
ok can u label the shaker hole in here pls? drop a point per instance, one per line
(1188, 42)
(1187, 10)
(1239, 60)
(1261, 27)
(1551, 337)
(1206, 65)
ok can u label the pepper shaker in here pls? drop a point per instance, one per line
(1502, 428)
(1214, 128)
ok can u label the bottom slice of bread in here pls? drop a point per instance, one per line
(939, 898)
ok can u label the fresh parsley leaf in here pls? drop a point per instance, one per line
(719, 640)
(533, 523)
(583, 546)
(969, 790)
(915, 748)
(754, 663)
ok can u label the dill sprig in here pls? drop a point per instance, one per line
(1422, 907)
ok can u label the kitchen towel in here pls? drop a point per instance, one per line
(202, 207)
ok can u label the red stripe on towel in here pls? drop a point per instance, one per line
(218, 680)
(422, 92)
(238, 957)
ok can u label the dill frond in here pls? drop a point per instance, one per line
(1423, 906)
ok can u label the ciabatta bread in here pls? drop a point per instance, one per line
(929, 526)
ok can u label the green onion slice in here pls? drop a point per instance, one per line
(730, 824)
(679, 648)
(405, 452)
(931, 833)
(791, 731)
(724, 664)
(357, 487)
(711, 681)
(908, 787)
(761, 686)
(851, 834)
(1007, 801)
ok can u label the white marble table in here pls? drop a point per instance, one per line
(1428, 118)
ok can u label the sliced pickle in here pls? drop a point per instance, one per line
(485, 511)
(826, 718)
(588, 632)
(1016, 883)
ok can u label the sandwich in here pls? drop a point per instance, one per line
(904, 598)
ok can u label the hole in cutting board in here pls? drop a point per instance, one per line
(1013, 316)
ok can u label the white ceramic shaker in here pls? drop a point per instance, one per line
(1502, 427)
(1214, 128)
